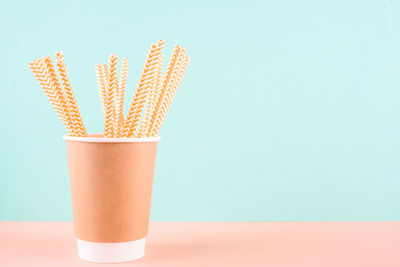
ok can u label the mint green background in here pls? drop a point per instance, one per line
(289, 109)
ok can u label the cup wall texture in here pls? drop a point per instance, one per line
(111, 186)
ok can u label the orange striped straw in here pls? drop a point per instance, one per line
(173, 84)
(152, 98)
(164, 83)
(149, 93)
(57, 87)
(77, 121)
(38, 67)
(138, 101)
(155, 89)
(101, 83)
(109, 116)
(119, 120)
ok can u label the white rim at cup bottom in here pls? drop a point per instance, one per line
(111, 252)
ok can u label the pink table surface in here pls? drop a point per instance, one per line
(322, 244)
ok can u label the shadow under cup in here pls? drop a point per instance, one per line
(111, 185)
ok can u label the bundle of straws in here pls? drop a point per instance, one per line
(152, 98)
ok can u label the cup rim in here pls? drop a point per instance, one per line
(100, 139)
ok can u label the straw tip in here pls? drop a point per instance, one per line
(46, 59)
(33, 62)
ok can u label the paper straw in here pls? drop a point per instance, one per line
(176, 78)
(171, 64)
(139, 93)
(149, 93)
(119, 121)
(57, 87)
(105, 73)
(152, 98)
(138, 101)
(38, 68)
(76, 118)
(101, 83)
(156, 89)
(164, 83)
(163, 102)
(148, 86)
(109, 116)
(174, 90)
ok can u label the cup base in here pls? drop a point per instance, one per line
(111, 252)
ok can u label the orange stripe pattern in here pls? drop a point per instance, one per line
(38, 67)
(119, 119)
(152, 98)
(138, 102)
(172, 86)
(101, 84)
(150, 105)
(109, 116)
(76, 118)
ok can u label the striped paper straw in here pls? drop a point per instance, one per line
(57, 87)
(138, 101)
(77, 121)
(149, 93)
(101, 83)
(38, 67)
(155, 89)
(176, 77)
(164, 83)
(109, 116)
(119, 120)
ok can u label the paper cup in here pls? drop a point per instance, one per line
(111, 184)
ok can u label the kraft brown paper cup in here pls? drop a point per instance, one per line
(111, 185)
